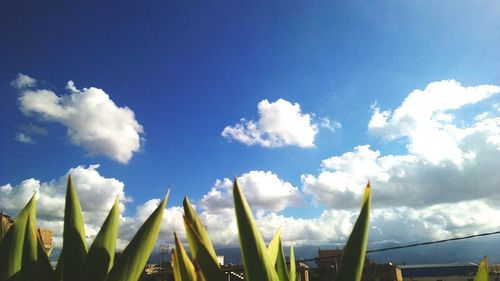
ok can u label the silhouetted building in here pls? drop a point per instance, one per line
(330, 261)
(381, 272)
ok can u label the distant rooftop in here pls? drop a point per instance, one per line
(427, 265)
(438, 269)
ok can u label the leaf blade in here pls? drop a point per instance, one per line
(74, 249)
(293, 272)
(11, 248)
(273, 246)
(355, 249)
(482, 271)
(186, 268)
(198, 227)
(281, 263)
(207, 263)
(101, 254)
(257, 263)
(131, 262)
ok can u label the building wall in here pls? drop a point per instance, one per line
(44, 234)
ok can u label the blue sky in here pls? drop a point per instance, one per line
(188, 70)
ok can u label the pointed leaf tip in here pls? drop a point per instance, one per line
(131, 262)
(355, 249)
(256, 260)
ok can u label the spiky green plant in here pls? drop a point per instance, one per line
(482, 271)
(261, 263)
(22, 256)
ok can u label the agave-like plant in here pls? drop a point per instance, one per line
(22, 256)
(260, 263)
(482, 271)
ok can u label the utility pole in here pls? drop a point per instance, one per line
(163, 249)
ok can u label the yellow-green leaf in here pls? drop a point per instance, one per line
(207, 263)
(482, 271)
(175, 266)
(132, 261)
(281, 263)
(102, 252)
(198, 227)
(355, 249)
(185, 266)
(11, 248)
(257, 263)
(29, 267)
(74, 249)
(292, 274)
(273, 246)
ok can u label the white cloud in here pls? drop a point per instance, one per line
(91, 118)
(329, 124)
(425, 119)
(23, 81)
(411, 179)
(21, 137)
(457, 164)
(280, 123)
(96, 193)
(263, 190)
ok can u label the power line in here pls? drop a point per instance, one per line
(410, 245)
(433, 242)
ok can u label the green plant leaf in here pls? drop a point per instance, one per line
(273, 246)
(207, 263)
(102, 252)
(74, 249)
(257, 263)
(281, 263)
(355, 249)
(132, 261)
(175, 266)
(185, 266)
(29, 267)
(482, 271)
(292, 274)
(11, 248)
(198, 227)
(45, 269)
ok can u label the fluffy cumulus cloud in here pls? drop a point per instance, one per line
(281, 123)
(447, 161)
(426, 119)
(93, 121)
(97, 195)
(264, 191)
(445, 185)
